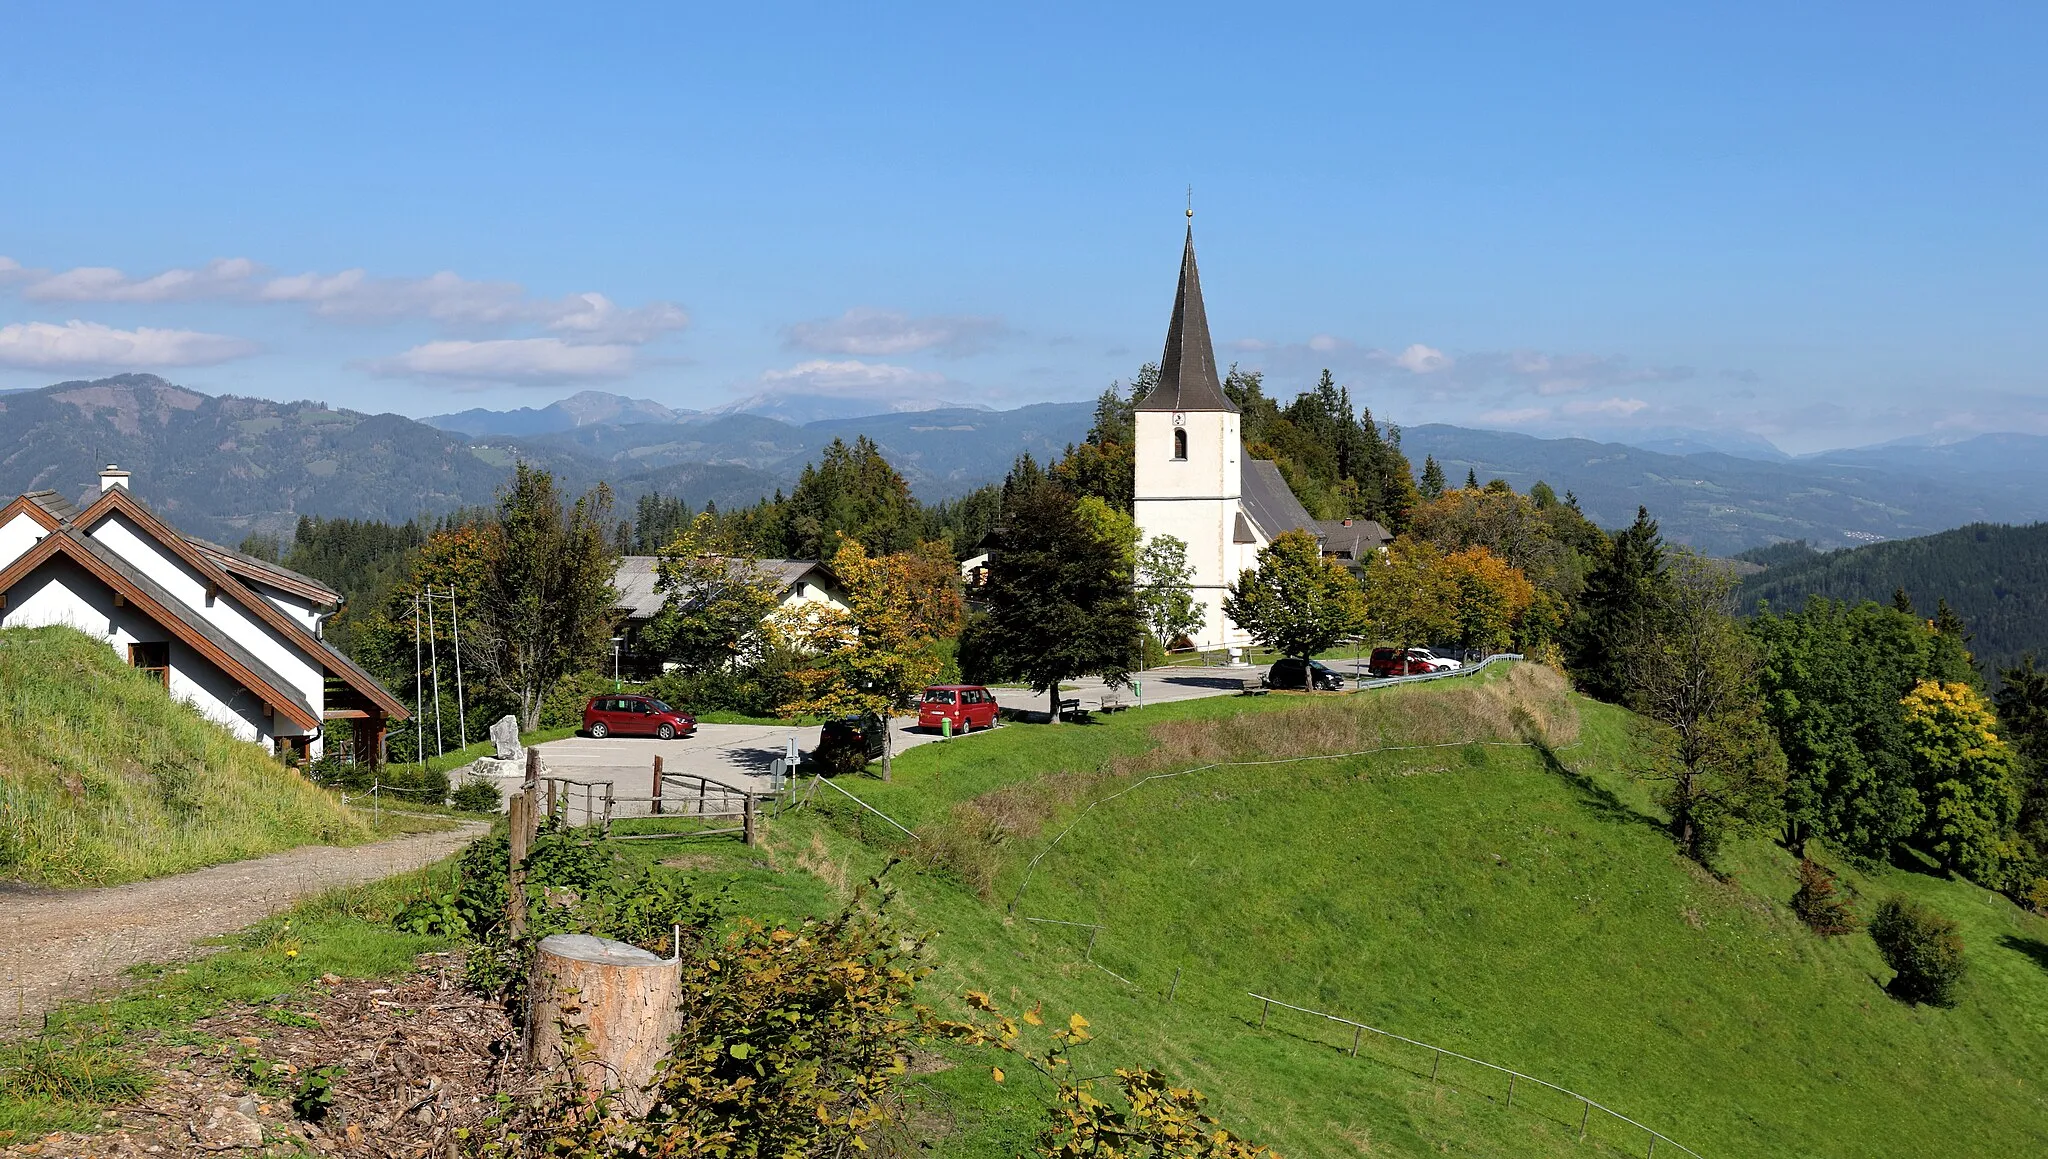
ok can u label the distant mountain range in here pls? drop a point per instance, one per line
(224, 466)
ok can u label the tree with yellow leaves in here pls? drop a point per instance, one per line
(878, 654)
(1493, 598)
(1968, 778)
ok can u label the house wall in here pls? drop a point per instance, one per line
(62, 593)
(303, 611)
(19, 534)
(1197, 501)
(810, 592)
(303, 672)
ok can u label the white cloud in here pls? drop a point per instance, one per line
(1515, 416)
(519, 361)
(1324, 343)
(851, 376)
(13, 271)
(222, 277)
(885, 333)
(1606, 406)
(1420, 359)
(595, 318)
(89, 345)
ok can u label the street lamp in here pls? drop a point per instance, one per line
(616, 641)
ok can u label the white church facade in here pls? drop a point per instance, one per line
(1194, 480)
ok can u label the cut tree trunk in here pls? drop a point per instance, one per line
(620, 1000)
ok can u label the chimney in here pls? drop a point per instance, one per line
(112, 477)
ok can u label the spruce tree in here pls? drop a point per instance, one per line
(1471, 479)
(1432, 478)
(1626, 587)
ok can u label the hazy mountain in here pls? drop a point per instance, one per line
(1994, 576)
(1722, 504)
(809, 408)
(1692, 441)
(578, 410)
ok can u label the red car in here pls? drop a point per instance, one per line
(1393, 662)
(968, 706)
(625, 714)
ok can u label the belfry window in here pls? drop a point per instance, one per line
(1180, 444)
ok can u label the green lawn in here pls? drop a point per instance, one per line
(1475, 896)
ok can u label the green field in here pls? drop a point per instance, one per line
(104, 778)
(1513, 901)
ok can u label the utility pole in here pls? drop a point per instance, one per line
(434, 658)
(461, 709)
(419, 704)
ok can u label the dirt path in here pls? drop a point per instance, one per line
(61, 944)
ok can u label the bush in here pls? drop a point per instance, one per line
(1923, 947)
(563, 705)
(759, 690)
(1818, 905)
(404, 782)
(477, 796)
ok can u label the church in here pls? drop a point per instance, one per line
(1194, 480)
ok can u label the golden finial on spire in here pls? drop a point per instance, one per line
(1191, 201)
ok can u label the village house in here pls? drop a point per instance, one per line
(236, 637)
(800, 582)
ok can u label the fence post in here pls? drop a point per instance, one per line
(1511, 1088)
(1653, 1145)
(515, 881)
(1176, 985)
(1267, 1009)
(1434, 1065)
(1583, 1117)
(657, 786)
(1356, 1032)
(1092, 934)
(747, 817)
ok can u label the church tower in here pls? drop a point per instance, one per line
(1189, 472)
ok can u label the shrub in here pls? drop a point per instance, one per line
(1923, 947)
(759, 690)
(1818, 905)
(477, 796)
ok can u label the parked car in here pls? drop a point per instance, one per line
(1436, 663)
(968, 706)
(627, 714)
(1295, 672)
(847, 743)
(1386, 662)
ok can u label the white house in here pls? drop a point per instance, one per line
(801, 582)
(236, 637)
(1193, 479)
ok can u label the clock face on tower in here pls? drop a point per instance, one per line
(1180, 419)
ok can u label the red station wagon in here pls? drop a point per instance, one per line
(968, 706)
(625, 714)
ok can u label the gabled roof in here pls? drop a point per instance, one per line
(638, 583)
(264, 572)
(171, 613)
(1265, 496)
(57, 505)
(1187, 370)
(117, 499)
(1352, 538)
(27, 505)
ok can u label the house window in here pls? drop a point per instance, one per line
(1180, 445)
(154, 659)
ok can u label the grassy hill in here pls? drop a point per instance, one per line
(104, 778)
(1994, 576)
(1504, 892)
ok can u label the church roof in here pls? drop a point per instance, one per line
(1267, 499)
(1187, 371)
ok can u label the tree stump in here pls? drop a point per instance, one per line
(620, 999)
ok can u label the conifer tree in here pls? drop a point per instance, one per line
(1432, 478)
(1471, 479)
(1624, 589)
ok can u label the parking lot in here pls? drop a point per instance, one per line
(740, 754)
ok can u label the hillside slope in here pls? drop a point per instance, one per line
(105, 779)
(1994, 576)
(1513, 901)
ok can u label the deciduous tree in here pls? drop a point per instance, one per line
(1295, 601)
(1967, 778)
(1166, 594)
(549, 594)
(716, 600)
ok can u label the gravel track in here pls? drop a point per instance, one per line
(64, 944)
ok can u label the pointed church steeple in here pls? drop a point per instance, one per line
(1187, 371)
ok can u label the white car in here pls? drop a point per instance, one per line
(1436, 663)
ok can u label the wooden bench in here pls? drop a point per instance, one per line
(1254, 687)
(1111, 702)
(1070, 709)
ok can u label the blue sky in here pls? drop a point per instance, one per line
(1818, 222)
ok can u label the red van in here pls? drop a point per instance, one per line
(968, 706)
(625, 714)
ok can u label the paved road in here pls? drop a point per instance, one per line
(70, 943)
(740, 754)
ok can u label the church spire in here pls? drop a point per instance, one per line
(1187, 371)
